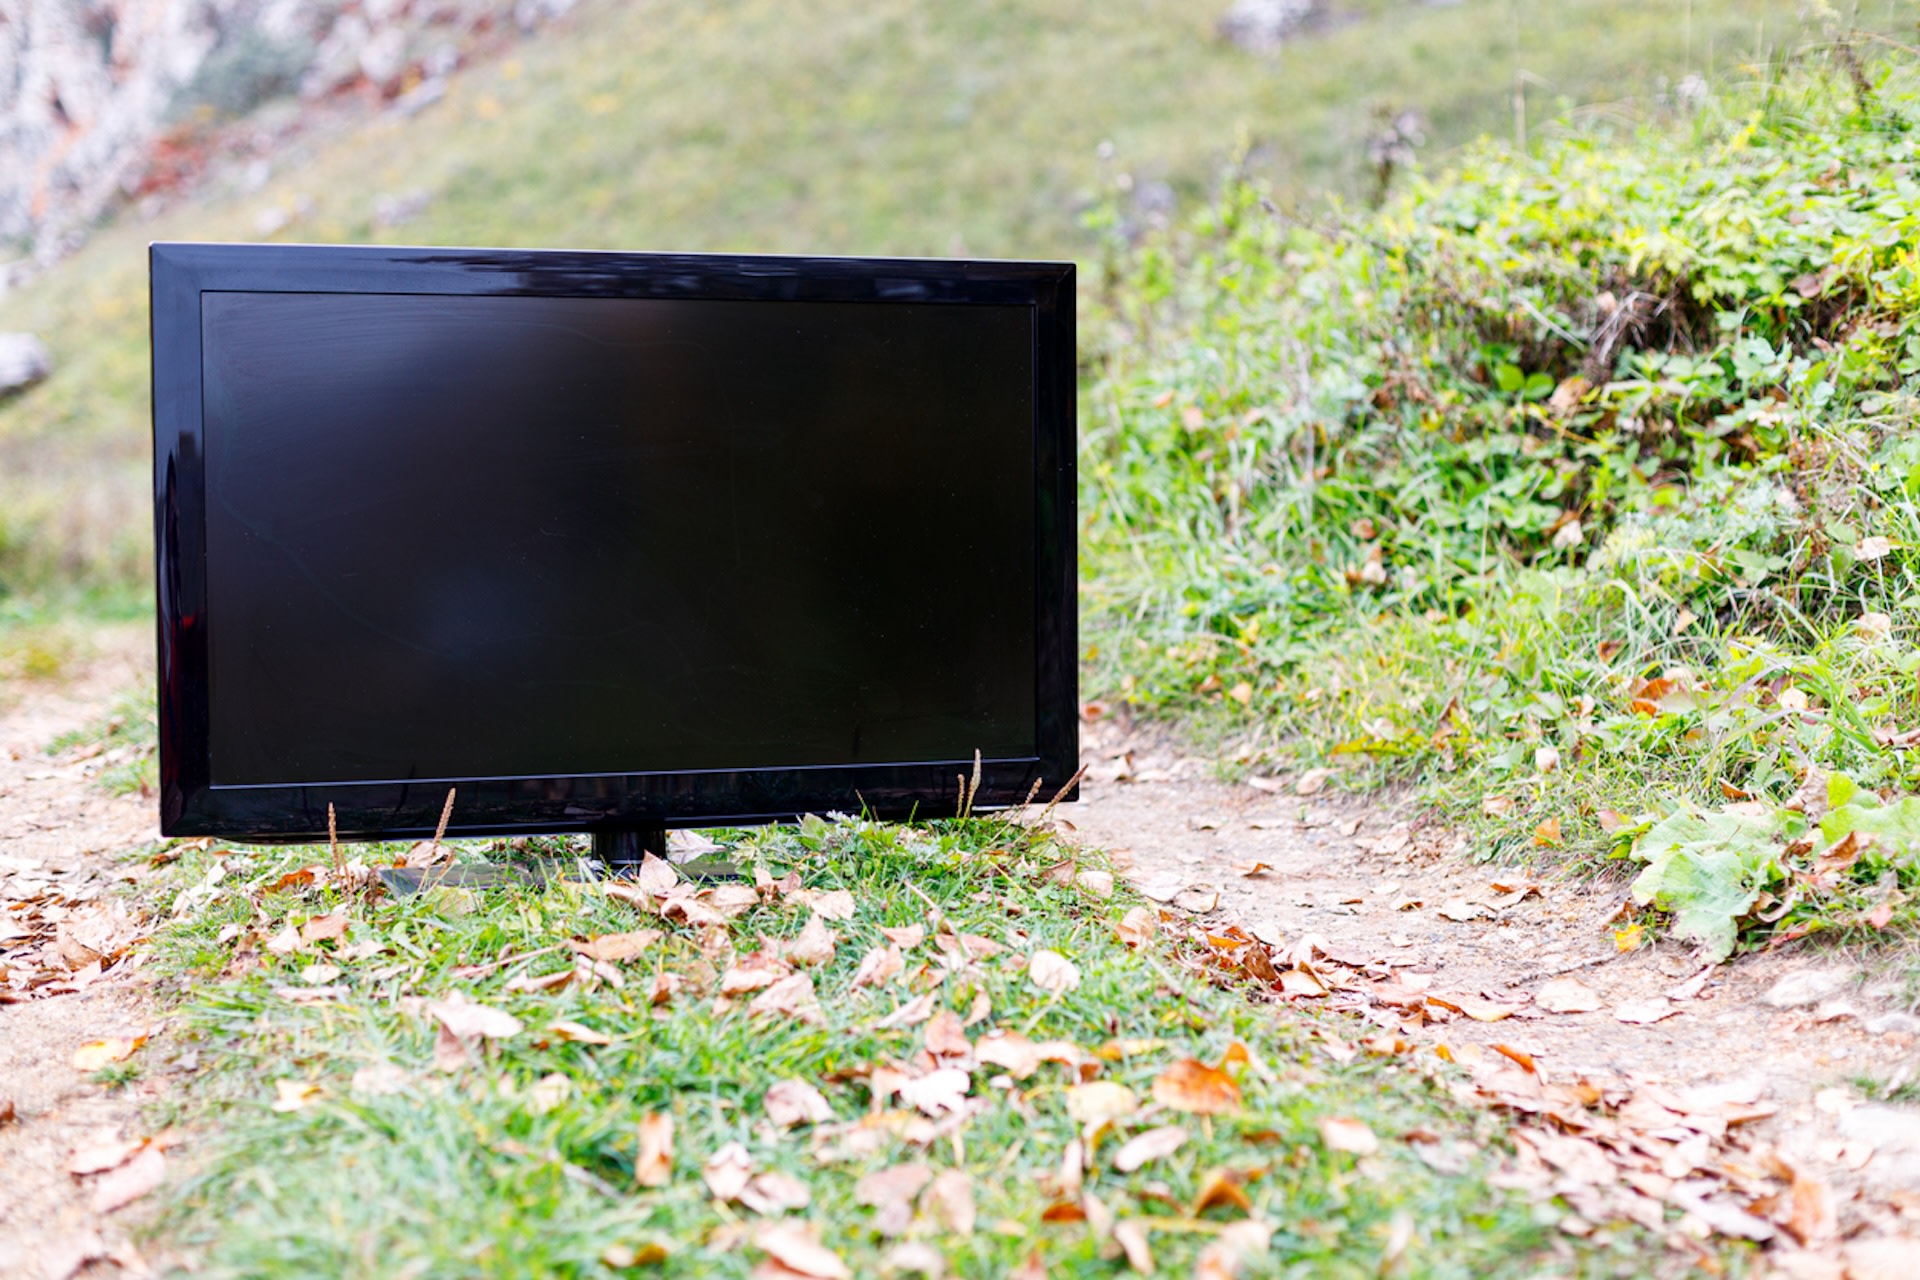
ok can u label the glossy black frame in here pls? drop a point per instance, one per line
(190, 805)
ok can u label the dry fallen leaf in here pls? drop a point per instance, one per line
(575, 1033)
(793, 1102)
(323, 929)
(293, 1095)
(1312, 782)
(880, 966)
(1152, 1145)
(1644, 1011)
(616, 947)
(1343, 1133)
(813, 945)
(949, 1201)
(1227, 1253)
(894, 1183)
(835, 904)
(1131, 1235)
(938, 1093)
(95, 1054)
(469, 1019)
(654, 1164)
(1220, 1188)
(1137, 927)
(1192, 1086)
(945, 1037)
(548, 1092)
(792, 995)
(771, 1193)
(1567, 995)
(1021, 1056)
(1252, 868)
(727, 1171)
(130, 1181)
(1100, 1101)
(797, 1249)
(99, 1157)
(1052, 972)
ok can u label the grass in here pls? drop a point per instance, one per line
(1427, 495)
(968, 128)
(524, 1160)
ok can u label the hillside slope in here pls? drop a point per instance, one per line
(879, 127)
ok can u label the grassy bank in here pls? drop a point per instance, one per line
(1577, 484)
(943, 1049)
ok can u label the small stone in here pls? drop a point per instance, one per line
(1889, 1023)
(1807, 986)
(23, 361)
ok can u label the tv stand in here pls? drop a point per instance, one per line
(621, 851)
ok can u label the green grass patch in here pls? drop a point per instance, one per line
(1577, 484)
(524, 1155)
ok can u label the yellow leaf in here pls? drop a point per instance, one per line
(1193, 1086)
(95, 1054)
(1629, 938)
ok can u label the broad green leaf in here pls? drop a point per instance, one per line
(1708, 870)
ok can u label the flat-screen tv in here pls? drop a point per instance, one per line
(606, 542)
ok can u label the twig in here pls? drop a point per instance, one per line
(333, 839)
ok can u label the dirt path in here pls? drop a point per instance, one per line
(1390, 928)
(68, 975)
(1416, 942)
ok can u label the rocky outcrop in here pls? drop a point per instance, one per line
(23, 362)
(91, 89)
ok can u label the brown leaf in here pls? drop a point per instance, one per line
(470, 1019)
(793, 996)
(835, 904)
(727, 1171)
(795, 1102)
(130, 1181)
(1312, 782)
(1032, 1269)
(911, 1014)
(1131, 1235)
(1227, 1253)
(813, 945)
(102, 1156)
(614, 948)
(1021, 1056)
(900, 1182)
(1192, 1086)
(1052, 972)
(880, 966)
(1814, 1216)
(1252, 868)
(656, 875)
(1567, 995)
(653, 1167)
(945, 1037)
(1643, 1011)
(938, 1093)
(771, 1193)
(755, 972)
(574, 1033)
(1143, 1148)
(1344, 1133)
(450, 1052)
(798, 1249)
(949, 1201)
(1547, 834)
(1137, 927)
(95, 1054)
(1221, 1187)
(328, 928)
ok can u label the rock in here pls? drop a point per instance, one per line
(1260, 26)
(23, 362)
(1807, 987)
(1889, 1023)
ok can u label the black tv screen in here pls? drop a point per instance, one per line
(606, 541)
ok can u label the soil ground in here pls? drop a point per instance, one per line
(1358, 878)
(59, 830)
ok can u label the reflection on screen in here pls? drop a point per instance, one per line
(455, 536)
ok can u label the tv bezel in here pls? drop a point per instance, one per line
(191, 805)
